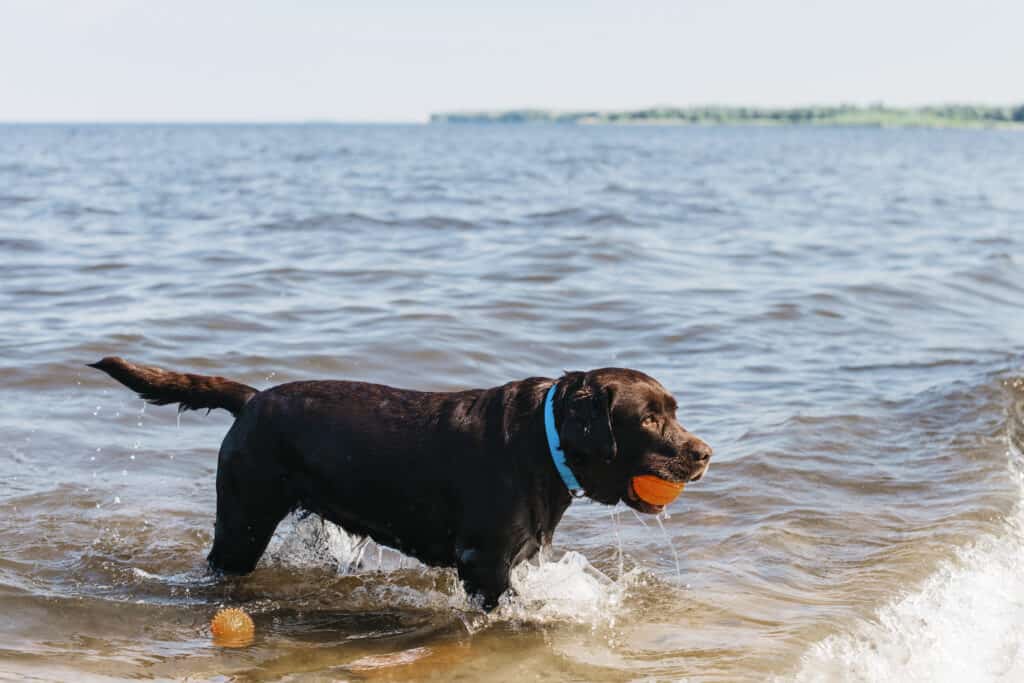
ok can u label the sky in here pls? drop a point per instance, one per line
(390, 61)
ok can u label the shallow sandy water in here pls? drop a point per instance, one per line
(838, 312)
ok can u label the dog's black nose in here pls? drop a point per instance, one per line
(701, 451)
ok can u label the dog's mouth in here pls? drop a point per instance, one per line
(656, 490)
(699, 473)
(651, 493)
(634, 501)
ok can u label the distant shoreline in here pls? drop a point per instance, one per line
(936, 116)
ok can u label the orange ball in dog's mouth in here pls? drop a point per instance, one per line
(232, 628)
(655, 490)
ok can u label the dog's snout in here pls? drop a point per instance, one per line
(700, 451)
(700, 459)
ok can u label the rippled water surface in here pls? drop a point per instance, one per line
(837, 310)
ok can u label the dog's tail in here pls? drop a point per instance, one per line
(190, 392)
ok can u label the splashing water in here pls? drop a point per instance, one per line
(965, 622)
(543, 590)
(310, 541)
(614, 514)
(639, 518)
(671, 545)
(567, 590)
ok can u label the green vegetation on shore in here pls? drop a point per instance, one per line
(952, 115)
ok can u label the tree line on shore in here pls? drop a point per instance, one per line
(845, 114)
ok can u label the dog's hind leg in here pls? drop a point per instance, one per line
(253, 496)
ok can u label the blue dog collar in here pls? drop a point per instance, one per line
(555, 445)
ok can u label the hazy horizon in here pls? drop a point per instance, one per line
(113, 61)
(463, 110)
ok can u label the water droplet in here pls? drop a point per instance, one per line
(671, 545)
(638, 517)
(618, 540)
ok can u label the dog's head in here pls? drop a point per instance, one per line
(617, 424)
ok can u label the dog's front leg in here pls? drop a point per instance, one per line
(484, 571)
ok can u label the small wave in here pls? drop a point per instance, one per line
(18, 244)
(579, 216)
(190, 579)
(965, 623)
(353, 220)
(15, 199)
(320, 155)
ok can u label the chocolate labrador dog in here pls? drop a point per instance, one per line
(474, 479)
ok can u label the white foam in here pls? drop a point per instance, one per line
(567, 590)
(544, 590)
(310, 541)
(965, 623)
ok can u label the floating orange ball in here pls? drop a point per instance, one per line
(655, 490)
(232, 628)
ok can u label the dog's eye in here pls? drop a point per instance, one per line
(649, 421)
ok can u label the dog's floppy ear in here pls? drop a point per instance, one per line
(587, 421)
